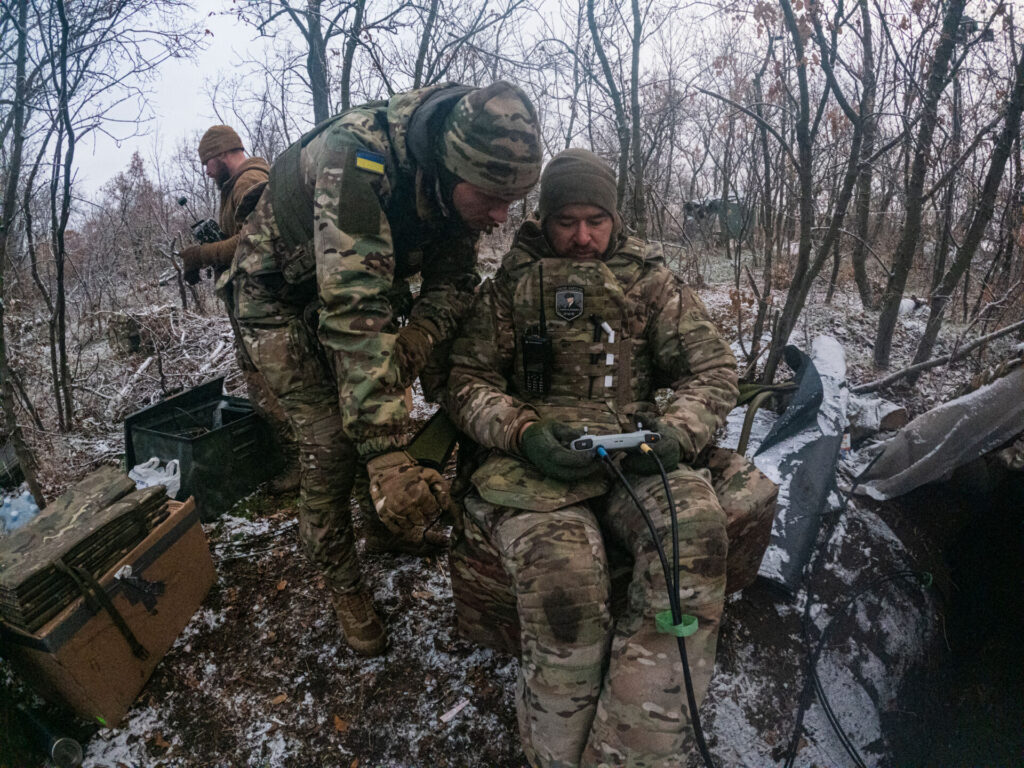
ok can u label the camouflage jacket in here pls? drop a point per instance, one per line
(661, 337)
(376, 222)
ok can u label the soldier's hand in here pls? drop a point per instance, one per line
(408, 498)
(544, 443)
(412, 349)
(192, 261)
(671, 448)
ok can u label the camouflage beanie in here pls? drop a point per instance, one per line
(491, 139)
(216, 141)
(577, 177)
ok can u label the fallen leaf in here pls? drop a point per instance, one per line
(281, 698)
(422, 595)
(341, 726)
(454, 710)
(354, 763)
(281, 585)
(160, 741)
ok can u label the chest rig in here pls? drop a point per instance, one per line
(572, 334)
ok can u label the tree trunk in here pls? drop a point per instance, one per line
(858, 258)
(421, 55)
(904, 257)
(639, 194)
(316, 63)
(982, 216)
(621, 126)
(10, 200)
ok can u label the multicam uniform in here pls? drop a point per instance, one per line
(552, 536)
(236, 198)
(319, 318)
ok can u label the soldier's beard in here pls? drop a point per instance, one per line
(581, 254)
(222, 175)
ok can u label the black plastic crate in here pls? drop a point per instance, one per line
(223, 447)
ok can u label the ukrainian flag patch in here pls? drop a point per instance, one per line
(369, 161)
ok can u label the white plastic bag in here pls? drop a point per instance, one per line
(150, 473)
(172, 477)
(144, 473)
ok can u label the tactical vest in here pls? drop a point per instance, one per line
(600, 372)
(368, 126)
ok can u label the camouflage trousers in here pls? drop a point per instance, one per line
(591, 690)
(262, 397)
(289, 358)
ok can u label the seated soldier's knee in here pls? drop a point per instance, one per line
(560, 573)
(702, 541)
(748, 499)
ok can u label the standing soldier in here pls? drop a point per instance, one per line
(240, 181)
(356, 207)
(577, 329)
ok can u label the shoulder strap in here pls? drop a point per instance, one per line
(290, 197)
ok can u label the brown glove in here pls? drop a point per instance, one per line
(408, 498)
(218, 254)
(192, 261)
(415, 342)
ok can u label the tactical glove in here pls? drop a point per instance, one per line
(674, 445)
(192, 261)
(412, 349)
(408, 498)
(544, 444)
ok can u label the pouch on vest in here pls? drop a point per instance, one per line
(584, 308)
(506, 481)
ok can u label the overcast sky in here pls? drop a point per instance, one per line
(179, 104)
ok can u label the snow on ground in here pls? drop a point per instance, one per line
(260, 677)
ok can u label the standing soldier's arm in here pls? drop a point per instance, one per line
(446, 294)
(694, 360)
(482, 360)
(355, 268)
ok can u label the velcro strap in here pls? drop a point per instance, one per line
(97, 599)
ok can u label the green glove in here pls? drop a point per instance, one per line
(669, 449)
(544, 444)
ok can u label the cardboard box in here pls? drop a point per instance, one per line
(82, 659)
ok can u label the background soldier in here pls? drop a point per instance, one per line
(357, 206)
(240, 181)
(548, 511)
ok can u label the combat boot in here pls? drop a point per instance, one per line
(359, 622)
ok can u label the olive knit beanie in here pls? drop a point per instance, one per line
(577, 177)
(216, 141)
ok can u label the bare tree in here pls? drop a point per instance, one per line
(17, 23)
(981, 218)
(938, 78)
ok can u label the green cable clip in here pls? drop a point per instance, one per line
(686, 626)
(101, 720)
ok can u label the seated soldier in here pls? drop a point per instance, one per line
(613, 324)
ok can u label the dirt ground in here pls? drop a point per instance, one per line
(261, 677)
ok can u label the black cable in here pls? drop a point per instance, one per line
(677, 614)
(851, 750)
(815, 655)
(805, 694)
